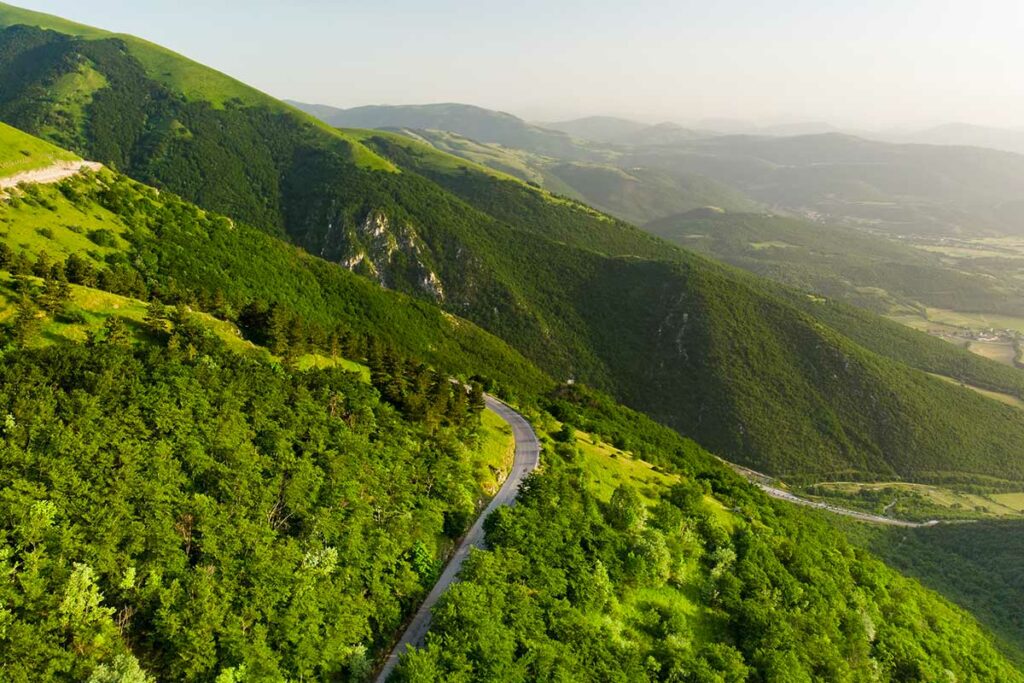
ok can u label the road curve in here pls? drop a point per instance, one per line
(527, 457)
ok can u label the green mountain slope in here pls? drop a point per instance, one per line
(655, 579)
(583, 171)
(704, 349)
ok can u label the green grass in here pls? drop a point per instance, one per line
(96, 307)
(316, 360)
(491, 459)
(21, 152)
(608, 468)
(43, 221)
(192, 80)
(439, 161)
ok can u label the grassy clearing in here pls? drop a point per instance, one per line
(1012, 501)
(1000, 352)
(492, 457)
(92, 308)
(316, 360)
(975, 321)
(20, 152)
(43, 220)
(608, 468)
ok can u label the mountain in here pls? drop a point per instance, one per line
(576, 168)
(967, 135)
(598, 128)
(127, 455)
(483, 125)
(623, 131)
(839, 178)
(703, 348)
(227, 458)
(636, 194)
(20, 152)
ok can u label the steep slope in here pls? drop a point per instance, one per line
(580, 294)
(609, 570)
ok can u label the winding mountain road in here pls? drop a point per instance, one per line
(527, 458)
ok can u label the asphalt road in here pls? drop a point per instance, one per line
(855, 514)
(527, 457)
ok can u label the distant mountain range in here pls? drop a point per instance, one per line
(964, 134)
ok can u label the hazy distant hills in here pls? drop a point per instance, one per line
(608, 129)
(965, 134)
(556, 161)
(483, 125)
(841, 178)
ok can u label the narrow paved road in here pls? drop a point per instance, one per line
(526, 459)
(765, 483)
(51, 174)
(862, 516)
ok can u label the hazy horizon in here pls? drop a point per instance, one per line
(870, 65)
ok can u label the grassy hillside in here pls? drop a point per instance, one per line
(476, 123)
(20, 152)
(156, 244)
(588, 173)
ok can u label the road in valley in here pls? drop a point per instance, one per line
(527, 457)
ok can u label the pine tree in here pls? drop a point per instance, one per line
(26, 321)
(80, 271)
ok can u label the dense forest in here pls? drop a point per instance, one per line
(210, 512)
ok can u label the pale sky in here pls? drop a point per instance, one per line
(855, 63)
